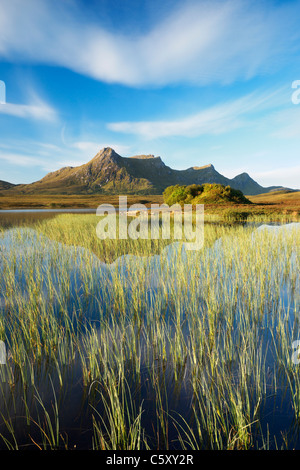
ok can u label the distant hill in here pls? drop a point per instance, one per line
(109, 173)
(5, 185)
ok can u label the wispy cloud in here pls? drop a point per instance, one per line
(35, 108)
(44, 157)
(39, 111)
(199, 42)
(281, 176)
(20, 159)
(214, 120)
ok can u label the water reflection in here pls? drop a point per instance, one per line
(78, 267)
(75, 278)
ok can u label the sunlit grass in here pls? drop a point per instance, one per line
(172, 351)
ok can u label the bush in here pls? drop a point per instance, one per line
(206, 193)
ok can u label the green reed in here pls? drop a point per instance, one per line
(206, 330)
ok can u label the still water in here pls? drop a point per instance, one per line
(23, 253)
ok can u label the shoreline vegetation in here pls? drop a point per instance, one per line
(277, 205)
(189, 351)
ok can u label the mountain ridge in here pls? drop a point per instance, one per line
(4, 185)
(109, 173)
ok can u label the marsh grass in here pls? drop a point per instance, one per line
(162, 349)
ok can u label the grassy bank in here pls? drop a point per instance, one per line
(271, 206)
(69, 202)
(277, 206)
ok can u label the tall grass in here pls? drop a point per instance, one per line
(163, 348)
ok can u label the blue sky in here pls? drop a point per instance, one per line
(194, 82)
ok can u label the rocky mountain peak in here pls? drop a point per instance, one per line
(106, 152)
(109, 173)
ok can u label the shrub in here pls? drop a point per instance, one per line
(206, 193)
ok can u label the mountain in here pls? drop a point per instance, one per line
(106, 173)
(109, 173)
(5, 185)
(246, 184)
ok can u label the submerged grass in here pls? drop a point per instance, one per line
(186, 350)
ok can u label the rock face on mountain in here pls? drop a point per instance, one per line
(109, 173)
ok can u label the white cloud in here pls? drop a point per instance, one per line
(200, 42)
(20, 159)
(48, 157)
(285, 176)
(39, 111)
(215, 120)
